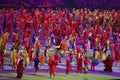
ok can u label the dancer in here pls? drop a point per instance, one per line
(57, 56)
(64, 45)
(36, 62)
(96, 53)
(94, 63)
(20, 69)
(52, 65)
(79, 63)
(71, 53)
(31, 52)
(68, 65)
(86, 62)
(26, 58)
(41, 58)
(37, 43)
(108, 63)
(14, 59)
(2, 53)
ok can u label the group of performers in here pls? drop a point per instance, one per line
(71, 33)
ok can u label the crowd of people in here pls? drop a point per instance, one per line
(71, 33)
(98, 4)
(31, 3)
(63, 3)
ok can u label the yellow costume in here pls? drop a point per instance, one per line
(26, 58)
(108, 42)
(103, 56)
(96, 54)
(14, 59)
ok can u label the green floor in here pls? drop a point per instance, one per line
(59, 76)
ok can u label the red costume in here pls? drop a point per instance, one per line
(57, 56)
(104, 37)
(98, 30)
(68, 65)
(117, 55)
(79, 64)
(15, 37)
(20, 69)
(52, 65)
(31, 55)
(108, 64)
(1, 60)
(86, 34)
(26, 41)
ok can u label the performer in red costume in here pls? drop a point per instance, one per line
(20, 69)
(57, 56)
(108, 63)
(31, 51)
(68, 65)
(79, 64)
(52, 65)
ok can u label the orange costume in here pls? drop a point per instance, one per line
(52, 65)
(37, 44)
(41, 58)
(5, 36)
(64, 45)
